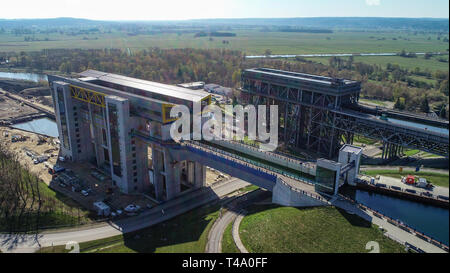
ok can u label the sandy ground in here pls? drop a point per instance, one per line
(12, 109)
(31, 143)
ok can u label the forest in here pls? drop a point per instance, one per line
(392, 83)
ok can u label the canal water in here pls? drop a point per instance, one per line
(23, 76)
(420, 126)
(430, 220)
(43, 126)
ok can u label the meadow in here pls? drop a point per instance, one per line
(251, 42)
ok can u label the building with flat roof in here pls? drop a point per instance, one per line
(103, 118)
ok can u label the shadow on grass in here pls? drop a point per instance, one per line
(355, 220)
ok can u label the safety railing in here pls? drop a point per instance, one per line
(258, 165)
(400, 224)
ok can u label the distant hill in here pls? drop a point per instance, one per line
(322, 23)
(355, 23)
(51, 22)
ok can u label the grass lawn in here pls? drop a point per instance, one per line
(411, 152)
(313, 230)
(437, 179)
(56, 210)
(364, 140)
(377, 102)
(228, 245)
(249, 188)
(187, 233)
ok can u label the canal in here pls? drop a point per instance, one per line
(430, 220)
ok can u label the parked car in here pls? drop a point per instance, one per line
(56, 169)
(85, 193)
(132, 208)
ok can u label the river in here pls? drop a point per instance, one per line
(283, 56)
(24, 76)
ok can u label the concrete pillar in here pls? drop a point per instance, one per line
(171, 170)
(158, 170)
(200, 175)
(190, 172)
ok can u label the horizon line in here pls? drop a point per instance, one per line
(221, 18)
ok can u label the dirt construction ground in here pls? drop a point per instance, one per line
(12, 109)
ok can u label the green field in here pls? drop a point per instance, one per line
(437, 179)
(311, 230)
(431, 64)
(187, 233)
(251, 41)
(228, 245)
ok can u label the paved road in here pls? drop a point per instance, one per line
(215, 235)
(31, 243)
(214, 244)
(409, 169)
(236, 236)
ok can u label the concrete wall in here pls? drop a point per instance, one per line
(284, 195)
(222, 165)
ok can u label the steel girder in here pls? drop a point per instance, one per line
(394, 135)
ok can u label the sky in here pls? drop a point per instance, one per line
(203, 9)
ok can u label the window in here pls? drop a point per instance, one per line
(106, 154)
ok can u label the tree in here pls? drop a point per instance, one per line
(425, 107)
(400, 104)
(268, 52)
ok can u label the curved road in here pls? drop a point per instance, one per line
(182, 204)
(215, 235)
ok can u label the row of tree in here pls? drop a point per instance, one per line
(24, 205)
(223, 67)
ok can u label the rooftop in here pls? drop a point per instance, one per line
(303, 77)
(127, 83)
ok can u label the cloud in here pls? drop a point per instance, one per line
(373, 2)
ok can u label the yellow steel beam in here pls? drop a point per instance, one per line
(88, 95)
